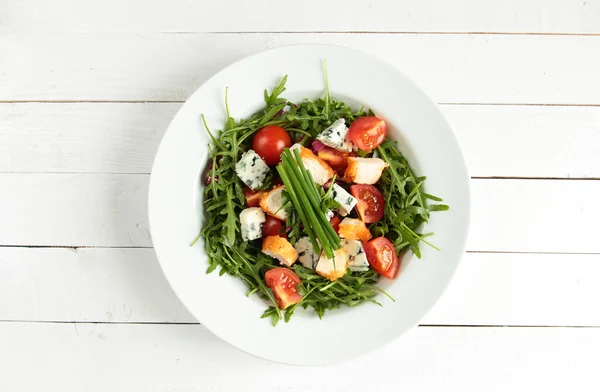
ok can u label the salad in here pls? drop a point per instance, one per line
(310, 204)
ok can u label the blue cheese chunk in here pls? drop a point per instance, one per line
(336, 136)
(306, 253)
(329, 214)
(251, 220)
(345, 200)
(357, 258)
(252, 170)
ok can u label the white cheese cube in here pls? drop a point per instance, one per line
(329, 214)
(306, 253)
(346, 200)
(357, 258)
(335, 268)
(252, 170)
(336, 136)
(251, 220)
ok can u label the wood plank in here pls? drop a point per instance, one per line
(110, 16)
(127, 285)
(74, 210)
(169, 67)
(82, 138)
(123, 138)
(111, 210)
(167, 358)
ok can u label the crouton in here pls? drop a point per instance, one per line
(364, 170)
(271, 203)
(279, 248)
(354, 229)
(326, 267)
(320, 171)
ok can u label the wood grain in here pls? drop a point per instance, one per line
(169, 67)
(498, 140)
(507, 16)
(111, 210)
(127, 286)
(168, 358)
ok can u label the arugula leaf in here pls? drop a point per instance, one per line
(405, 211)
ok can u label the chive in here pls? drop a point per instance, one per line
(314, 205)
(295, 202)
(313, 196)
(303, 203)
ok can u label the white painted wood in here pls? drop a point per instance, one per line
(110, 210)
(74, 210)
(86, 284)
(535, 216)
(562, 16)
(521, 289)
(168, 358)
(541, 141)
(82, 138)
(126, 285)
(166, 67)
(528, 141)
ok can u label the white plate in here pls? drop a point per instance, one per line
(220, 303)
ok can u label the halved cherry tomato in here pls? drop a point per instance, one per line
(272, 226)
(335, 223)
(367, 132)
(283, 282)
(338, 160)
(370, 204)
(270, 142)
(252, 197)
(382, 257)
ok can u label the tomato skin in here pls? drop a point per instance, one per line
(270, 142)
(367, 132)
(338, 160)
(382, 257)
(335, 223)
(272, 226)
(371, 204)
(283, 282)
(252, 197)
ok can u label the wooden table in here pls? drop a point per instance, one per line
(88, 87)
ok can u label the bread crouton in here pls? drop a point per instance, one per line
(354, 229)
(279, 248)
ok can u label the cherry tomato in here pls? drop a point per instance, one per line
(382, 257)
(269, 143)
(252, 197)
(283, 282)
(338, 160)
(370, 204)
(335, 223)
(272, 226)
(367, 132)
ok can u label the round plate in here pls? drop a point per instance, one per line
(220, 302)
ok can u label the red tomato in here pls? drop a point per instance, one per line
(370, 204)
(335, 223)
(338, 160)
(272, 226)
(367, 132)
(269, 143)
(252, 197)
(382, 257)
(283, 283)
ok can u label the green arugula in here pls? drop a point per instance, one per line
(223, 200)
